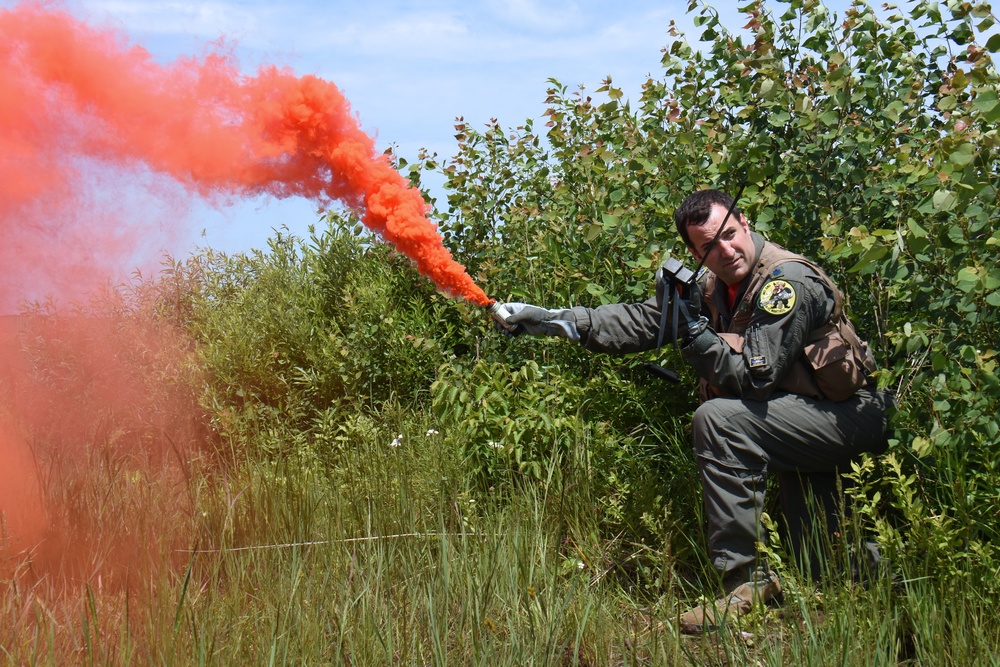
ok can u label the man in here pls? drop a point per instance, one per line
(782, 391)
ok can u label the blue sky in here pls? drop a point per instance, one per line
(408, 68)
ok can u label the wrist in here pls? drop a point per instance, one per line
(698, 337)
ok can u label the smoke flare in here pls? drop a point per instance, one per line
(73, 92)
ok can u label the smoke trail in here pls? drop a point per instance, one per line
(74, 94)
(87, 118)
(22, 517)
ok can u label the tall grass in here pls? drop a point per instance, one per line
(388, 559)
(320, 512)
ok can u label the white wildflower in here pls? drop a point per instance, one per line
(431, 432)
(397, 441)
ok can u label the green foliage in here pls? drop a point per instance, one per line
(299, 339)
(532, 424)
(506, 414)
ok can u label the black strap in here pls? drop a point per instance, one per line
(673, 302)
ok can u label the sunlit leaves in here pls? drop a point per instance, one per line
(944, 200)
(986, 101)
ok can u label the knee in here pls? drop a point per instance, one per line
(719, 433)
(707, 428)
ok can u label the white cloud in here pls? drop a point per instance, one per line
(174, 17)
(538, 15)
(440, 33)
(421, 35)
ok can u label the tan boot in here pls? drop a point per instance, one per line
(761, 589)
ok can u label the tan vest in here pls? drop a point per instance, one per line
(835, 363)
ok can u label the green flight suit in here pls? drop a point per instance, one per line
(762, 414)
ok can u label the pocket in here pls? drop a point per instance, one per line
(835, 367)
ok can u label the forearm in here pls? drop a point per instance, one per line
(619, 328)
(718, 362)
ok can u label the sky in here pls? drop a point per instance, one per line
(407, 68)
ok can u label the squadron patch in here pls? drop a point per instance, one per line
(777, 297)
(758, 361)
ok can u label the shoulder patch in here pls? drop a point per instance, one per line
(777, 297)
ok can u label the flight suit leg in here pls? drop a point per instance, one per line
(733, 477)
(737, 442)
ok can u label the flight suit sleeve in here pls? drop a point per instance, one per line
(619, 328)
(623, 328)
(788, 306)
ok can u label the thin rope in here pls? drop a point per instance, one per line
(258, 547)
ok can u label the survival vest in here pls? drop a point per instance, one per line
(834, 364)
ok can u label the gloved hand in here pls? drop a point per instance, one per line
(691, 321)
(691, 295)
(537, 321)
(684, 303)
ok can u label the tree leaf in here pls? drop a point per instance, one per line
(988, 103)
(962, 155)
(944, 200)
(967, 278)
(831, 117)
(873, 254)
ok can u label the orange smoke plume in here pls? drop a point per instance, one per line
(75, 95)
(85, 120)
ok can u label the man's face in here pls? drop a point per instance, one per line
(732, 255)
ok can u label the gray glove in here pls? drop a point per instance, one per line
(537, 321)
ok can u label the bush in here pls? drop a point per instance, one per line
(301, 337)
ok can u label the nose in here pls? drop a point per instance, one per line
(725, 249)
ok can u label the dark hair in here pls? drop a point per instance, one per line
(696, 208)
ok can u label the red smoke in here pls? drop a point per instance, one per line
(99, 427)
(86, 121)
(22, 513)
(74, 95)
